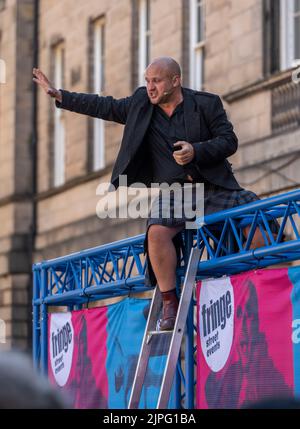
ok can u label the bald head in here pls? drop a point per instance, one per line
(163, 81)
(167, 64)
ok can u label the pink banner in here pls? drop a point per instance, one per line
(245, 348)
(77, 356)
(93, 355)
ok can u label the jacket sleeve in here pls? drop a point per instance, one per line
(107, 108)
(223, 143)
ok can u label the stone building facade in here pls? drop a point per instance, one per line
(240, 50)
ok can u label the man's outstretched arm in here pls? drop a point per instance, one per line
(106, 108)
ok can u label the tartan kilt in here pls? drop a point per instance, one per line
(216, 199)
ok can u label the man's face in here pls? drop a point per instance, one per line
(159, 82)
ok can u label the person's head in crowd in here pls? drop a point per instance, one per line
(22, 388)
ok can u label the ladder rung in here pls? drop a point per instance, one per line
(156, 333)
(159, 332)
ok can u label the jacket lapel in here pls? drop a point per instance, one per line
(191, 118)
(141, 124)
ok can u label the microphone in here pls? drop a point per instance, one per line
(168, 92)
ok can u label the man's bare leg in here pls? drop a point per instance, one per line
(258, 239)
(162, 254)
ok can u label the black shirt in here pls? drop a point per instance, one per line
(162, 133)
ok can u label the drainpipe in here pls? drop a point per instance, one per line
(34, 141)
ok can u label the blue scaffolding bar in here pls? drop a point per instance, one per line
(118, 268)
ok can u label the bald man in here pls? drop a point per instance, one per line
(172, 135)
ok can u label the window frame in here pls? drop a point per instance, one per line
(197, 46)
(287, 39)
(98, 78)
(144, 51)
(59, 124)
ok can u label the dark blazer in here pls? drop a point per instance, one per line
(207, 128)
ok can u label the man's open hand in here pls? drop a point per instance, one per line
(44, 83)
(185, 155)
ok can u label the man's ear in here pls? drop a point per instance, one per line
(176, 81)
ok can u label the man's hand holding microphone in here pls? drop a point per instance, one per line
(183, 154)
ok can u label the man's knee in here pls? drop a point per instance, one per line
(257, 240)
(158, 234)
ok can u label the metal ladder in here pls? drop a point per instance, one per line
(175, 337)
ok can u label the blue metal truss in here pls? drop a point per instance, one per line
(118, 268)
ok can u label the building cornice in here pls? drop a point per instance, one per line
(17, 198)
(258, 86)
(77, 181)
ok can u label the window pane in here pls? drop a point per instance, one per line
(147, 50)
(148, 41)
(197, 36)
(97, 59)
(2, 64)
(147, 15)
(102, 57)
(144, 38)
(297, 5)
(98, 152)
(297, 38)
(59, 128)
(200, 21)
(198, 69)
